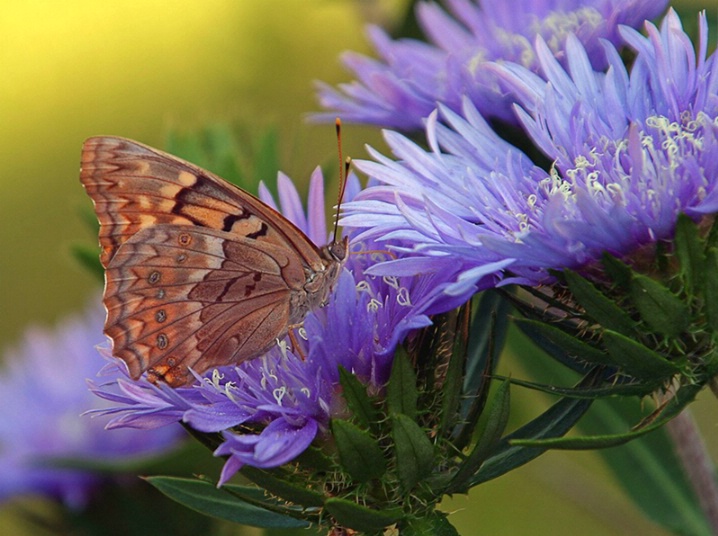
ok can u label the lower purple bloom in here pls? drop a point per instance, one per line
(285, 398)
(43, 395)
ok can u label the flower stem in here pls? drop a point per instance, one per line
(697, 464)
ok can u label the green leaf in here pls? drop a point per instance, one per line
(433, 524)
(683, 397)
(628, 389)
(88, 257)
(552, 339)
(554, 422)
(617, 270)
(401, 393)
(486, 341)
(636, 359)
(597, 306)
(315, 459)
(358, 402)
(414, 451)
(662, 310)
(497, 418)
(647, 468)
(359, 454)
(357, 517)
(205, 498)
(451, 391)
(300, 495)
(689, 250)
(711, 289)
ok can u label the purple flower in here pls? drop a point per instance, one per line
(404, 86)
(630, 151)
(287, 396)
(43, 393)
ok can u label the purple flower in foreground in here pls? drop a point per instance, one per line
(288, 395)
(43, 393)
(631, 152)
(404, 86)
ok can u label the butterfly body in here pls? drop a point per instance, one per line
(199, 273)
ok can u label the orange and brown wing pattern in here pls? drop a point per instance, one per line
(180, 297)
(134, 186)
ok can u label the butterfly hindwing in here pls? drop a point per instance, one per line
(181, 297)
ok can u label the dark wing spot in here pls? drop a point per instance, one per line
(262, 232)
(184, 239)
(231, 219)
(162, 341)
(154, 277)
(161, 315)
(248, 289)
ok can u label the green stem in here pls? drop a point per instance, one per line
(697, 464)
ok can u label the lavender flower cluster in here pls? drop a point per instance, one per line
(631, 149)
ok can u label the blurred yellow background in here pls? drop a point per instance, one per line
(80, 68)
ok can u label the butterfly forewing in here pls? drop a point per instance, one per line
(134, 186)
(199, 273)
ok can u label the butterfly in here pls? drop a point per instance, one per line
(198, 272)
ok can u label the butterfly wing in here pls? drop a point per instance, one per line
(180, 297)
(134, 186)
(199, 273)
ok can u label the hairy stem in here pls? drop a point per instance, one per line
(697, 464)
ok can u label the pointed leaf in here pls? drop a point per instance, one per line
(683, 397)
(401, 393)
(597, 306)
(313, 458)
(554, 422)
(497, 418)
(451, 392)
(552, 340)
(414, 451)
(359, 454)
(619, 389)
(279, 487)
(354, 516)
(487, 337)
(617, 270)
(689, 250)
(358, 402)
(662, 310)
(434, 524)
(636, 359)
(205, 498)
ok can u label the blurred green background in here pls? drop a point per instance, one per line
(139, 68)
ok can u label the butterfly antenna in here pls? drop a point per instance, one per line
(343, 174)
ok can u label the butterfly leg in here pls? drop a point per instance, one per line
(296, 347)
